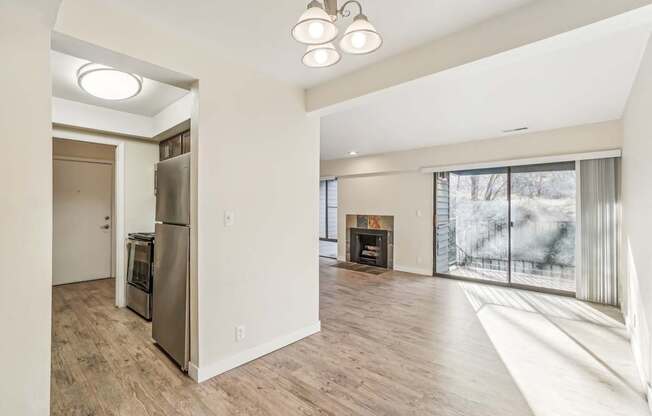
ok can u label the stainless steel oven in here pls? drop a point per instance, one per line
(140, 273)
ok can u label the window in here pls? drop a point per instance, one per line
(328, 210)
(513, 225)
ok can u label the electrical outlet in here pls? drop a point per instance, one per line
(229, 218)
(240, 333)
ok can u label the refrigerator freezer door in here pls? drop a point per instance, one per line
(170, 315)
(173, 190)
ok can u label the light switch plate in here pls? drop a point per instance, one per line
(229, 218)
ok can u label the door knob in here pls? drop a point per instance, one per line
(106, 218)
(105, 227)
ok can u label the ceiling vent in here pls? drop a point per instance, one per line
(516, 130)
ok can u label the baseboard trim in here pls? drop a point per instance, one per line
(193, 371)
(635, 334)
(414, 270)
(203, 373)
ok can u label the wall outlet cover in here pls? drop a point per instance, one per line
(229, 218)
(240, 333)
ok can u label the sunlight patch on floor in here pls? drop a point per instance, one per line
(567, 357)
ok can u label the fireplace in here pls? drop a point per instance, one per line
(369, 247)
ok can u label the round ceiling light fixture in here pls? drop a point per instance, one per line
(321, 56)
(316, 28)
(108, 83)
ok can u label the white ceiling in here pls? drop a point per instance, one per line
(154, 96)
(257, 32)
(555, 87)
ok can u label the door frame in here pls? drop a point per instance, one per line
(112, 214)
(508, 283)
(119, 230)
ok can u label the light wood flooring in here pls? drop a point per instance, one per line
(394, 344)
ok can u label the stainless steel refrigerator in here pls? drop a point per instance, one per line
(170, 308)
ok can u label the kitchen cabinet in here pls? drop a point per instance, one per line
(174, 146)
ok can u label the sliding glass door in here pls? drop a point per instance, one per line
(475, 233)
(512, 225)
(543, 200)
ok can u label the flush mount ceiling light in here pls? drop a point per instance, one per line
(108, 83)
(316, 28)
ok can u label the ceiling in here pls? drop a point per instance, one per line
(587, 82)
(257, 32)
(154, 96)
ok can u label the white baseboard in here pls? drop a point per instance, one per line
(203, 373)
(414, 270)
(636, 334)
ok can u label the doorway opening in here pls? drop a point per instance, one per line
(328, 218)
(83, 212)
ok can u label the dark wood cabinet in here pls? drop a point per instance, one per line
(174, 146)
(185, 142)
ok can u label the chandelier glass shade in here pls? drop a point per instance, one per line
(316, 28)
(360, 37)
(321, 56)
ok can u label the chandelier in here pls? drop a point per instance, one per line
(316, 28)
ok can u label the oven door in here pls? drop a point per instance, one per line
(139, 271)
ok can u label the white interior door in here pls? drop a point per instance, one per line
(82, 203)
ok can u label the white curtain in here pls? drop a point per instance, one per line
(597, 278)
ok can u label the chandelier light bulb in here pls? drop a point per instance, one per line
(358, 40)
(321, 56)
(316, 30)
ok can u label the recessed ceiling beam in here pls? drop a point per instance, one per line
(531, 23)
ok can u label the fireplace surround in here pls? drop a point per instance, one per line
(370, 240)
(369, 247)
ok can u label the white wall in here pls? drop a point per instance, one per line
(637, 224)
(389, 184)
(406, 196)
(25, 209)
(73, 113)
(258, 155)
(87, 116)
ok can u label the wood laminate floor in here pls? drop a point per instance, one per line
(394, 344)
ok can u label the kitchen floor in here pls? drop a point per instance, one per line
(390, 344)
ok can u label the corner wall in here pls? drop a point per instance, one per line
(406, 196)
(637, 223)
(25, 209)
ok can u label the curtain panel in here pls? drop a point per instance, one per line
(597, 276)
